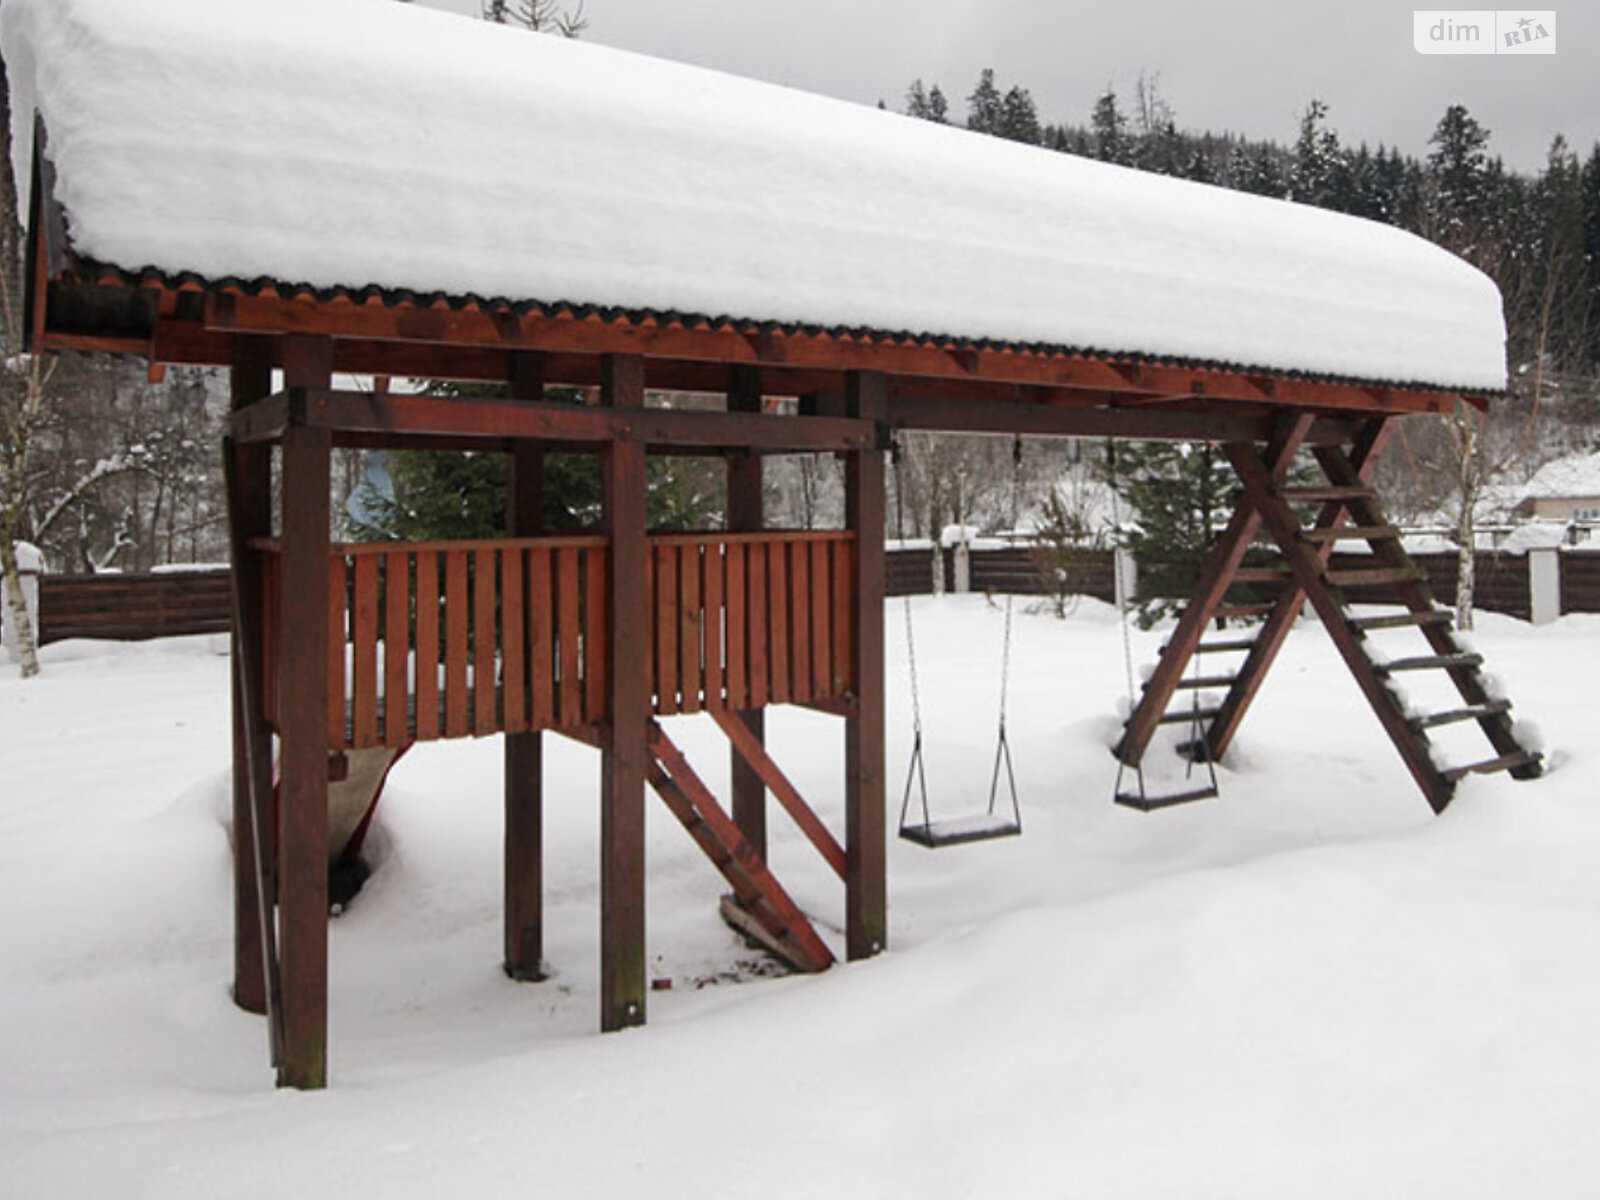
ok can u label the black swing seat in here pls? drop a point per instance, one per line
(984, 827)
(1147, 802)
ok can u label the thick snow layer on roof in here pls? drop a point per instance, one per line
(364, 142)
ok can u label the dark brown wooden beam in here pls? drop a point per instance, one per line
(502, 420)
(303, 730)
(238, 312)
(914, 406)
(524, 752)
(250, 516)
(866, 890)
(625, 761)
(746, 514)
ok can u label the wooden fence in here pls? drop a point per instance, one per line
(132, 608)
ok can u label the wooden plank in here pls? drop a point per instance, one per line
(569, 634)
(484, 683)
(514, 640)
(778, 609)
(691, 681)
(713, 569)
(364, 654)
(821, 629)
(541, 637)
(456, 647)
(750, 749)
(396, 647)
(758, 647)
(842, 680)
(736, 626)
(799, 555)
(866, 886)
(427, 666)
(595, 635)
(338, 634)
(665, 627)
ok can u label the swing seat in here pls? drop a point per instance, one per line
(982, 828)
(1146, 802)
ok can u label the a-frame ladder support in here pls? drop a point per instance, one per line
(1216, 576)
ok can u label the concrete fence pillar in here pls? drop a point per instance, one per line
(1544, 584)
(1124, 576)
(961, 557)
(30, 565)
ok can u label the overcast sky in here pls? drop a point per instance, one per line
(1249, 67)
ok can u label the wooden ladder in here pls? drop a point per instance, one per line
(759, 905)
(1306, 575)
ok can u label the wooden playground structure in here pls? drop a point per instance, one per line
(341, 651)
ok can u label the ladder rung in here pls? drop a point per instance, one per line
(1435, 616)
(1239, 612)
(1456, 715)
(1326, 492)
(1183, 718)
(1148, 803)
(1350, 533)
(1223, 647)
(1198, 682)
(1371, 575)
(1262, 575)
(1428, 662)
(1506, 762)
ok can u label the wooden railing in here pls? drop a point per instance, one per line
(459, 639)
(464, 639)
(747, 620)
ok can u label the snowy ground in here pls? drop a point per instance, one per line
(1308, 988)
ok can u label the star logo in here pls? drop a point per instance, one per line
(1524, 23)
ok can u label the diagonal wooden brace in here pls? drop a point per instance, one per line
(1215, 576)
(1306, 566)
(1275, 630)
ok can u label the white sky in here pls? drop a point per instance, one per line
(1249, 67)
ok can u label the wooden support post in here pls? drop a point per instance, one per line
(304, 645)
(866, 888)
(625, 759)
(249, 516)
(524, 752)
(746, 515)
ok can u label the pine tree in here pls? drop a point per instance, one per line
(1591, 250)
(1314, 170)
(1179, 495)
(1110, 129)
(1019, 119)
(985, 107)
(1459, 167)
(927, 105)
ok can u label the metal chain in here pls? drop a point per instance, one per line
(1005, 649)
(911, 637)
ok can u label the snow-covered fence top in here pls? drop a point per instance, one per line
(368, 143)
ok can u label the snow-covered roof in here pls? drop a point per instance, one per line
(1575, 477)
(361, 143)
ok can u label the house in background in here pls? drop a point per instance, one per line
(1567, 489)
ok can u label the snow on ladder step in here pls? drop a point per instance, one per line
(1350, 533)
(1434, 616)
(1326, 492)
(1506, 762)
(1429, 662)
(1475, 712)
